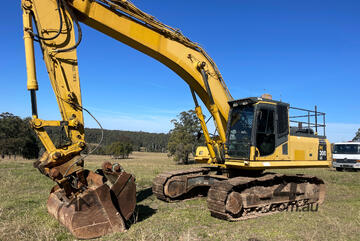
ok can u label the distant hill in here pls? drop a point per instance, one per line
(16, 138)
(153, 142)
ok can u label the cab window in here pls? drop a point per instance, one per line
(265, 131)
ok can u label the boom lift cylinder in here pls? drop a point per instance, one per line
(32, 83)
(208, 140)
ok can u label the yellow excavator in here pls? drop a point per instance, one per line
(253, 134)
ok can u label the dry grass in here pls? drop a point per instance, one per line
(24, 191)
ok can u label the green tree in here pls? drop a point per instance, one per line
(357, 136)
(119, 149)
(128, 150)
(30, 149)
(183, 137)
(116, 149)
(16, 137)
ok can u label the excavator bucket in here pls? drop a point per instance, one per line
(105, 206)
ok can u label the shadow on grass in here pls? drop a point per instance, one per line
(143, 194)
(144, 212)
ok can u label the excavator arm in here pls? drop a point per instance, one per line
(55, 32)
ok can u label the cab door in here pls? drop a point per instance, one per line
(265, 130)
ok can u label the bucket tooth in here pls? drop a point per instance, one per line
(97, 211)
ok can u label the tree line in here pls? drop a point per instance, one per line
(125, 141)
(151, 142)
(18, 139)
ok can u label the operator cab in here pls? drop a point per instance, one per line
(259, 122)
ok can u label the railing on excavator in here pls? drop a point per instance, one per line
(308, 119)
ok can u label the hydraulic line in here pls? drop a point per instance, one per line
(96, 147)
(78, 28)
(60, 25)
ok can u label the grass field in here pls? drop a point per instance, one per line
(24, 191)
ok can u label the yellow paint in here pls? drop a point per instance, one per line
(299, 155)
(202, 154)
(29, 49)
(209, 153)
(276, 164)
(265, 102)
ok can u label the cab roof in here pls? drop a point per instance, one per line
(253, 100)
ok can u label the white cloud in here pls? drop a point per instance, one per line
(337, 132)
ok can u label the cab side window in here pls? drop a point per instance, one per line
(283, 122)
(265, 133)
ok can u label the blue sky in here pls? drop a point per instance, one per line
(302, 52)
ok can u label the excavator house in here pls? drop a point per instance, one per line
(259, 137)
(252, 134)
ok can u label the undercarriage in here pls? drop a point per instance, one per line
(240, 197)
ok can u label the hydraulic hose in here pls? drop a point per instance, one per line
(60, 27)
(78, 28)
